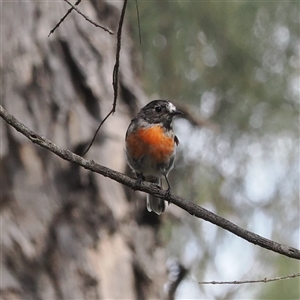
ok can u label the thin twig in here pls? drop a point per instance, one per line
(96, 132)
(115, 76)
(88, 19)
(152, 189)
(264, 280)
(139, 23)
(117, 63)
(63, 18)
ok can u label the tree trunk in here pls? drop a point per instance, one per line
(67, 233)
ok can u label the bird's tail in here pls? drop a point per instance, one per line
(155, 204)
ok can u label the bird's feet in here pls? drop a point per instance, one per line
(139, 178)
(168, 192)
(168, 195)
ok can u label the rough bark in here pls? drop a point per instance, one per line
(67, 233)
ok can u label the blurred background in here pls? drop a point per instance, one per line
(235, 67)
(232, 66)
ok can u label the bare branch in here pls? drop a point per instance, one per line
(117, 63)
(138, 19)
(63, 18)
(149, 188)
(264, 280)
(73, 7)
(88, 19)
(115, 76)
(96, 132)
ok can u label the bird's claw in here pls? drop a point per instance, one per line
(168, 195)
(138, 182)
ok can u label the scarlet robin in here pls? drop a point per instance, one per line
(151, 146)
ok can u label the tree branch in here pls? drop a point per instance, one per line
(264, 280)
(149, 188)
(117, 63)
(63, 18)
(138, 19)
(88, 19)
(73, 7)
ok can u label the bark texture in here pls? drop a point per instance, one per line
(67, 233)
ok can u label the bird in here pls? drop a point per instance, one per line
(151, 146)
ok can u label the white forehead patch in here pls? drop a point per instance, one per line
(171, 107)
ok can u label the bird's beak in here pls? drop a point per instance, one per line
(176, 113)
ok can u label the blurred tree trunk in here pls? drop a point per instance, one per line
(67, 233)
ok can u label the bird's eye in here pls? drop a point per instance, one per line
(158, 109)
